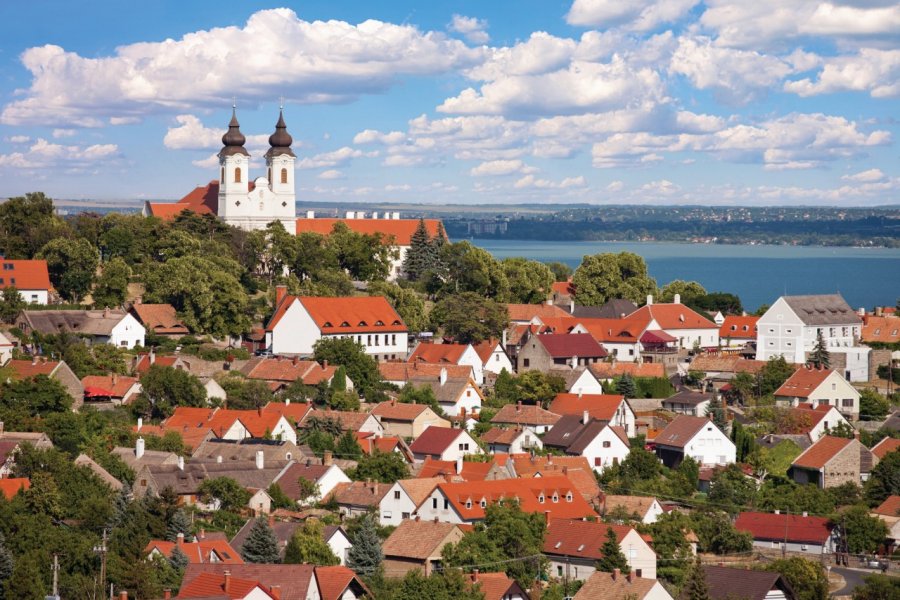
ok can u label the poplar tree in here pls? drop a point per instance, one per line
(365, 555)
(261, 545)
(613, 558)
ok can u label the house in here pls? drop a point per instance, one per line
(334, 535)
(83, 460)
(450, 354)
(138, 456)
(688, 328)
(400, 373)
(325, 477)
(833, 461)
(575, 468)
(456, 395)
(575, 545)
(811, 535)
(224, 585)
(370, 443)
(444, 444)
(279, 372)
(615, 586)
(601, 444)
(719, 370)
(462, 470)
(646, 509)
(279, 581)
(543, 352)
(819, 386)
(882, 329)
(815, 420)
(114, 388)
(159, 319)
(562, 293)
(407, 420)
(30, 278)
(300, 321)
(57, 370)
(580, 380)
(525, 415)
(738, 331)
(611, 408)
(222, 450)
(793, 323)
(195, 425)
(882, 448)
(39, 440)
(687, 402)
(496, 586)
(6, 349)
(10, 486)
(200, 551)
(116, 327)
(401, 501)
(889, 513)
(697, 437)
(607, 371)
(394, 231)
(357, 498)
(465, 502)
(349, 420)
(511, 441)
(620, 337)
(524, 314)
(8, 452)
(493, 356)
(416, 545)
(722, 582)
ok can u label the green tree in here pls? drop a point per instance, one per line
(730, 488)
(672, 549)
(690, 291)
(806, 577)
(228, 493)
(727, 304)
(279, 498)
(165, 388)
(7, 562)
(420, 256)
(626, 386)
(112, 285)
(695, 586)
(365, 555)
(561, 271)
(361, 368)
(308, 545)
(179, 559)
(741, 389)
(261, 546)
(27, 580)
(347, 446)
(878, 587)
(71, 264)
(27, 223)
(449, 584)
(34, 397)
(11, 304)
(365, 257)
(43, 497)
(716, 411)
(408, 304)
(862, 532)
(423, 394)
(613, 557)
(872, 405)
(536, 387)
(820, 356)
(179, 523)
(529, 280)
(385, 467)
(775, 372)
(602, 277)
(884, 480)
(469, 318)
(472, 269)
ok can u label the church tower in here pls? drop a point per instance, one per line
(280, 171)
(234, 171)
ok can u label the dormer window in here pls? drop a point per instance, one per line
(555, 498)
(345, 324)
(379, 323)
(541, 499)
(483, 503)
(469, 503)
(362, 324)
(569, 497)
(327, 324)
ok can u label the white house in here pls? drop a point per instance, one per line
(338, 541)
(647, 508)
(601, 444)
(441, 443)
(324, 476)
(610, 408)
(792, 324)
(697, 437)
(403, 498)
(737, 331)
(455, 395)
(819, 386)
(450, 354)
(214, 391)
(512, 441)
(299, 322)
(30, 278)
(816, 420)
(116, 327)
(6, 349)
(580, 380)
(573, 548)
(620, 337)
(687, 326)
(493, 357)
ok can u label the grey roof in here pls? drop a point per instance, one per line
(188, 481)
(39, 440)
(570, 375)
(613, 309)
(893, 422)
(284, 530)
(723, 582)
(89, 322)
(773, 439)
(448, 393)
(572, 435)
(84, 460)
(687, 397)
(823, 309)
(231, 450)
(150, 457)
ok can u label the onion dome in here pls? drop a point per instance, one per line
(281, 140)
(233, 139)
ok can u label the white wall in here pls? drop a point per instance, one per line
(498, 361)
(462, 445)
(710, 446)
(605, 450)
(834, 391)
(587, 383)
(469, 399)
(391, 509)
(284, 431)
(471, 358)
(333, 476)
(686, 337)
(638, 554)
(340, 545)
(128, 333)
(295, 332)
(437, 506)
(34, 296)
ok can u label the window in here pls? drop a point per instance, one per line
(847, 402)
(222, 178)
(833, 387)
(541, 499)
(598, 462)
(143, 483)
(237, 175)
(397, 495)
(386, 514)
(434, 503)
(405, 515)
(464, 447)
(526, 362)
(468, 504)
(606, 444)
(284, 176)
(483, 503)
(446, 504)
(559, 572)
(555, 498)
(637, 572)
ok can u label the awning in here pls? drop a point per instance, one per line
(657, 336)
(97, 392)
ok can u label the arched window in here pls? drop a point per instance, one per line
(284, 176)
(270, 173)
(237, 175)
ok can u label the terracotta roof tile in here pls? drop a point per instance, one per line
(347, 418)
(738, 327)
(526, 312)
(402, 371)
(803, 382)
(632, 504)
(466, 497)
(604, 370)
(524, 414)
(768, 526)
(419, 539)
(419, 488)
(212, 585)
(119, 385)
(494, 586)
(399, 231)
(334, 581)
(673, 316)
(288, 370)
(159, 318)
(881, 329)
(889, 508)
(10, 487)
(606, 586)
(294, 580)
(25, 369)
(485, 349)
(359, 493)
(576, 468)
(885, 446)
(289, 480)
(438, 353)
(573, 537)
(471, 471)
(198, 552)
(399, 411)
(818, 455)
(496, 435)
(598, 406)
(24, 275)
(355, 314)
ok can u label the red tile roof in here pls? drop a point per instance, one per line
(803, 382)
(119, 385)
(797, 528)
(880, 329)
(294, 580)
(160, 318)
(599, 406)
(399, 231)
(524, 414)
(882, 448)
(403, 371)
(818, 455)
(466, 497)
(565, 345)
(681, 430)
(288, 370)
(496, 435)
(485, 349)
(212, 585)
(572, 537)
(438, 353)
(526, 312)
(494, 586)
(202, 200)
(384, 444)
(198, 552)
(25, 369)
(24, 274)
(563, 287)
(294, 412)
(143, 365)
(620, 331)
(604, 370)
(805, 418)
(11, 486)
(471, 471)
(889, 508)
(434, 440)
(399, 411)
(673, 316)
(738, 327)
(576, 468)
(334, 581)
(357, 314)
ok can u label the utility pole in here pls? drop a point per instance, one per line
(787, 514)
(102, 550)
(56, 576)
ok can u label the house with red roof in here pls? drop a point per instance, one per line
(406, 419)
(56, 370)
(279, 581)
(610, 408)
(576, 468)
(400, 503)
(463, 470)
(449, 354)
(602, 444)
(525, 314)
(525, 415)
(738, 331)
(106, 326)
(30, 278)
(370, 443)
(159, 319)
(197, 424)
(819, 386)
(833, 461)
(325, 477)
(11, 486)
(889, 513)
(401, 373)
(684, 326)
(225, 585)
(417, 545)
(620, 337)
(441, 443)
(884, 329)
(697, 437)
(115, 388)
(496, 586)
(814, 420)
(300, 321)
(619, 586)
(197, 552)
(885, 446)
(545, 351)
(810, 535)
(573, 548)
(280, 372)
(465, 502)
(493, 356)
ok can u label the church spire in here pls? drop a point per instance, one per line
(281, 140)
(233, 139)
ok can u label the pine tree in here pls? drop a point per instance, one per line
(613, 558)
(179, 523)
(716, 411)
(418, 257)
(347, 446)
(820, 355)
(179, 559)
(695, 587)
(308, 545)
(365, 555)
(7, 563)
(626, 386)
(261, 545)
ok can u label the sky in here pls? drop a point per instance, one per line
(768, 102)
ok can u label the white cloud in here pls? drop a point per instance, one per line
(274, 53)
(19, 139)
(541, 53)
(335, 158)
(191, 134)
(63, 133)
(530, 181)
(43, 154)
(472, 28)
(874, 71)
(497, 167)
(615, 186)
(867, 176)
(210, 162)
(639, 15)
(331, 174)
(403, 187)
(370, 136)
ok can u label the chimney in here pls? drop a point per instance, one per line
(106, 312)
(629, 577)
(393, 402)
(677, 298)
(310, 214)
(260, 459)
(585, 417)
(616, 574)
(475, 575)
(396, 216)
(179, 539)
(271, 520)
(777, 512)
(327, 458)
(294, 361)
(227, 585)
(123, 595)
(280, 293)
(140, 424)
(459, 465)
(518, 406)
(580, 393)
(443, 376)
(503, 339)
(139, 448)
(219, 458)
(259, 411)
(181, 463)
(649, 299)
(572, 306)
(547, 516)
(1, 427)
(152, 355)
(325, 364)
(375, 214)
(276, 592)
(805, 514)
(879, 311)
(167, 594)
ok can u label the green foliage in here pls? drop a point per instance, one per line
(695, 586)
(420, 257)
(561, 271)
(228, 493)
(450, 584)
(862, 533)
(626, 386)
(613, 557)
(71, 264)
(365, 257)
(27, 573)
(731, 489)
(689, 291)
(179, 523)
(26, 224)
(469, 318)
(365, 555)
(361, 368)
(530, 387)
(164, 389)
(308, 545)
(348, 447)
(244, 394)
(178, 559)
(741, 390)
(878, 587)
(807, 578)
(529, 280)
(716, 410)
(112, 285)
(842, 429)
(716, 533)
(884, 480)
(467, 268)
(385, 467)
(727, 304)
(773, 375)
(872, 405)
(788, 497)
(408, 304)
(602, 277)
(653, 387)
(261, 546)
(11, 304)
(820, 357)
(744, 441)
(424, 394)
(7, 562)
(279, 498)
(33, 397)
(673, 552)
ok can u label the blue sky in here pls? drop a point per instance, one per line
(776, 102)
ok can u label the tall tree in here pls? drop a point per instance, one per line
(7, 563)
(361, 368)
(385, 467)
(11, 304)
(179, 559)
(261, 546)
(71, 264)
(472, 269)
(613, 557)
(347, 447)
(695, 586)
(112, 285)
(806, 577)
(365, 555)
(27, 223)
(179, 523)
(529, 280)
(716, 411)
(420, 255)
(308, 545)
(228, 493)
(626, 386)
(165, 388)
(689, 291)
(820, 356)
(469, 318)
(408, 304)
(602, 277)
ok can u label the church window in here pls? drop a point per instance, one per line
(237, 175)
(222, 178)
(270, 173)
(284, 176)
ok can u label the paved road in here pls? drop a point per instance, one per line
(852, 579)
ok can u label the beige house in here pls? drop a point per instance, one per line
(819, 386)
(833, 461)
(417, 545)
(407, 420)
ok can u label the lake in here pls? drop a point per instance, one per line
(866, 277)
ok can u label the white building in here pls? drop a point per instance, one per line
(601, 444)
(299, 322)
(450, 354)
(792, 324)
(573, 548)
(116, 327)
(819, 386)
(697, 437)
(6, 348)
(403, 498)
(688, 327)
(30, 278)
(441, 443)
(493, 357)
(512, 441)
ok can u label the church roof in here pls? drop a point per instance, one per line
(233, 139)
(281, 140)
